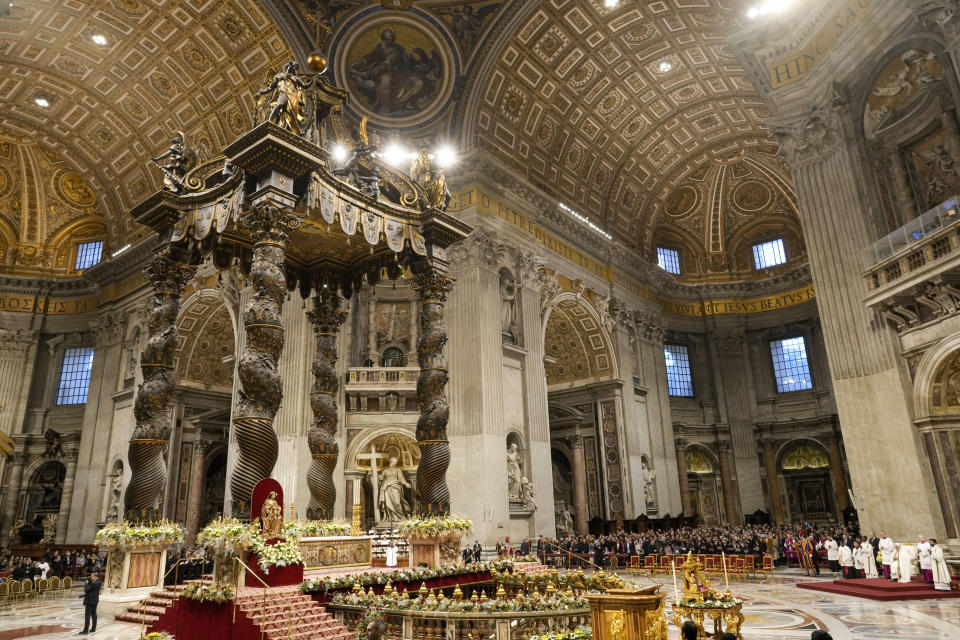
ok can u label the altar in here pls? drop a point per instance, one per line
(336, 551)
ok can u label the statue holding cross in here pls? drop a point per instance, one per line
(389, 484)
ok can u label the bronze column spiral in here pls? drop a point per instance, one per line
(261, 388)
(148, 470)
(322, 438)
(433, 495)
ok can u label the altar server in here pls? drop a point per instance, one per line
(923, 556)
(869, 560)
(832, 548)
(845, 558)
(887, 549)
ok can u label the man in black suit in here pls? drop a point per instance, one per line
(91, 598)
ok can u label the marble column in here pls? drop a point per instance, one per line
(579, 465)
(773, 480)
(685, 507)
(839, 477)
(66, 499)
(14, 477)
(195, 499)
(726, 482)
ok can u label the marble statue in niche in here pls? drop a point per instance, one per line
(514, 474)
(116, 498)
(649, 482)
(526, 494)
(393, 501)
(508, 307)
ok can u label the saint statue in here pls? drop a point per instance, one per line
(113, 510)
(508, 303)
(286, 98)
(649, 488)
(271, 517)
(393, 503)
(514, 475)
(695, 584)
(526, 494)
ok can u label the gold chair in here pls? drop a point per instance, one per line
(54, 588)
(67, 585)
(26, 589)
(13, 591)
(42, 586)
(3, 591)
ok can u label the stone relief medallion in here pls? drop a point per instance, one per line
(681, 201)
(73, 188)
(752, 196)
(398, 68)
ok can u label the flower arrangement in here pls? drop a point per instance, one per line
(218, 594)
(710, 604)
(371, 614)
(281, 554)
(315, 528)
(227, 537)
(518, 604)
(401, 576)
(156, 635)
(580, 633)
(433, 526)
(127, 536)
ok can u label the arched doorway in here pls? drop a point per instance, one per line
(703, 479)
(214, 485)
(386, 491)
(42, 499)
(805, 466)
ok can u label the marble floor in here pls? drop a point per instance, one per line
(775, 609)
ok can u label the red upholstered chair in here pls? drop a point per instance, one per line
(766, 566)
(666, 564)
(649, 564)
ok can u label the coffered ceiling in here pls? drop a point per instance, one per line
(164, 66)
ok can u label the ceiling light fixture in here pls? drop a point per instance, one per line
(42, 101)
(394, 154)
(99, 38)
(339, 153)
(611, 4)
(665, 66)
(445, 157)
(585, 220)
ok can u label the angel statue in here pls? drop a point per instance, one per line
(433, 181)
(286, 94)
(176, 162)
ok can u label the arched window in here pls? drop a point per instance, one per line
(393, 357)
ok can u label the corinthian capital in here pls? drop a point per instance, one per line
(110, 327)
(813, 135)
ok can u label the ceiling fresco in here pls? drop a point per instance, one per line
(638, 116)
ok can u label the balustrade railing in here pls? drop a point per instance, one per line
(382, 375)
(438, 625)
(944, 215)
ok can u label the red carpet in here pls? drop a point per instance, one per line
(880, 589)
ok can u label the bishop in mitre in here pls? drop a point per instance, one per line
(904, 562)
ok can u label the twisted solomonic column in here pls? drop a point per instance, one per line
(433, 496)
(261, 388)
(148, 470)
(322, 438)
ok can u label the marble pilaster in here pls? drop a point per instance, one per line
(12, 482)
(685, 507)
(66, 501)
(773, 480)
(726, 482)
(579, 470)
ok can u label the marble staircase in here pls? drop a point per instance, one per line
(149, 610)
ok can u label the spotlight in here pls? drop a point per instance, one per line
(339, 153)
(394, 154)
(99, 39)
(445, 157)
(611, 4)
(753, 12)
(42, 102)
(665, 66)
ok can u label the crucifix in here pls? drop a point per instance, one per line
(373, 457)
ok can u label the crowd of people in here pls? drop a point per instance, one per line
(859, 557)
(75, 564)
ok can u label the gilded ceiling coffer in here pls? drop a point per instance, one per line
(278, 206)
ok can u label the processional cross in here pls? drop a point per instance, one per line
(373, 456)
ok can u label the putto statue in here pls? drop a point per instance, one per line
(176, 162)
(286, 98)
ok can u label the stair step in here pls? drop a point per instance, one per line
(137, 618)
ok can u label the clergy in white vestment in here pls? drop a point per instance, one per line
(939, 569)
(869, 560)
(905, 562)
(857, 561)
(832, 548)
(887, 549)
(845, 558)
(923, 556)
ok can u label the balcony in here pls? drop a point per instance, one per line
(391, 389)
(914, 273)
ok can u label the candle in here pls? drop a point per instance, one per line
(676, 591)
(723, 558)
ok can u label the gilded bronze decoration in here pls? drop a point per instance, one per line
(148, 468)
(260, 386)
(273, 205)
(322, 438)
(432, 288)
